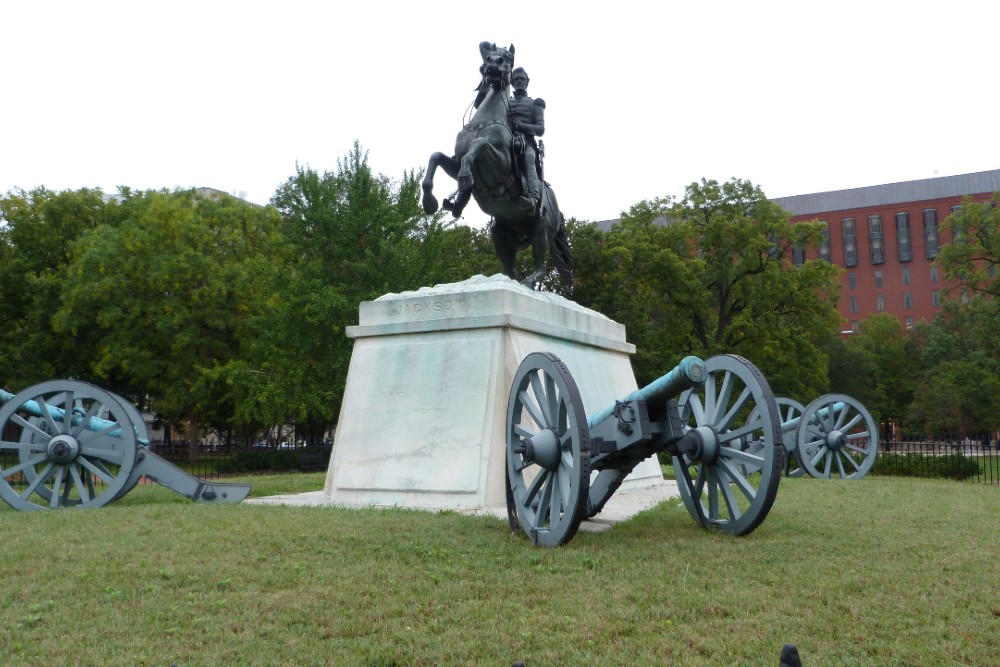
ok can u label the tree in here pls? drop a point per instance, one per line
(958, 390)
(890, 362)
(353, 235)
(973, 260)
(709, 275)
(168, 293)
(37, 230)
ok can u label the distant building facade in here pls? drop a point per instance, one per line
(886, 238)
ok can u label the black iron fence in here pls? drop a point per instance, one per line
(966, 459)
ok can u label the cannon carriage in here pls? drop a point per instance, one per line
(716, 419)
(70, 444)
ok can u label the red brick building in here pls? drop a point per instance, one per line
(886, 238)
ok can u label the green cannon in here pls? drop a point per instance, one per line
(66, 443)
(834, 436)
(562, 467)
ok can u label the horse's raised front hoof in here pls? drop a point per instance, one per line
(430, 204)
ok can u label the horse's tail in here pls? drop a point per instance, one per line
(562, 252)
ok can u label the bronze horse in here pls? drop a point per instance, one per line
(485, 167)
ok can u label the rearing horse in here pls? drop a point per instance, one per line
(484, 165)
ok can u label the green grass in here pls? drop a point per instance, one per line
(880, 571)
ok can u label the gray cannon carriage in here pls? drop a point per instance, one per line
(834, 436)
(66, 443)
(702, 413)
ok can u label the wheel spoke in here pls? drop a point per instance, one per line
(710, 402)
(741, 482)
(533, 410)
(74, 471)
(544, 502)
(713, 494)
(24, 423)
(47, 415)
(23, 446)
(737, 434)
(57, 487)
(555, 499)
(859, 450)
(697, 409)
(101, 472)
(532, 490)
(115, 456)
(747, 456)
(552, 398)
(41, 479)
(88, 436)
(31, 462)
(543, 400)
(92, 412)
(738, 405)
(521, 431)
(721, 399)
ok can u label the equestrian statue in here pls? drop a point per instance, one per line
(497, 162)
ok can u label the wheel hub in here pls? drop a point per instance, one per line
(543, 449)
(63, 449)
(836, 440)
(701, 444)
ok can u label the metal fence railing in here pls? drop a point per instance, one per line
(969, 459)
(216, 462)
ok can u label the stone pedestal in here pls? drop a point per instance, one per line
(424, 412)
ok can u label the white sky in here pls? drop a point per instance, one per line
(643, 97)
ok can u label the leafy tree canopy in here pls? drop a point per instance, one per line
(712, 274)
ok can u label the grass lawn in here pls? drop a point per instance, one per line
(880, 571)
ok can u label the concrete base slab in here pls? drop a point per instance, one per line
(622, 506)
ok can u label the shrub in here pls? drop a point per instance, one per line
(950, 466)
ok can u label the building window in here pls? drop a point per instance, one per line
(798, 256)
(930, 233)
(909, 323)
(903, 237)
(854, 326)
(850, 242)
(852, 281)
(879, 303)
(824, 244)
(956, 233)
(935, 298)
(878, 278)
(934, 273)
(875, 238)
(854, 304)
(907, 300)
(906, 275)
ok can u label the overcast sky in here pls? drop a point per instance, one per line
(642, 97)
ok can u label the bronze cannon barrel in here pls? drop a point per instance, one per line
(58, 414)
(690, 372)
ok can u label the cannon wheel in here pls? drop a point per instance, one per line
(837, 437)
(60, 462)
(788, 410)
(142, 435)
(548, 451)
(730, 480)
